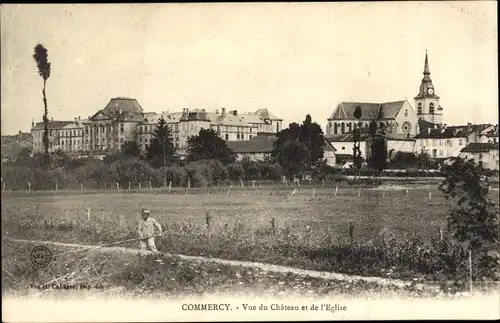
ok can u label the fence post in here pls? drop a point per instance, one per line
(314, 192)
(117, 186)
(227, 194)
(207, 219)
(129, 185)
(359, 192)
(140, 186)
(3, 186)
(383, 193)
(323, 182)
(241, 181)
(470, 271)
(351, 231)
(150, 186)
(294, 190)
(272, 225)
(253, 184)
(169, 187)
(336, 190)
(88, 214)
(81, 186)
(406, 193)
(56, 185)
(298, 182)
(189, 183)
(29, 186)
(430, 195)
(441, 233)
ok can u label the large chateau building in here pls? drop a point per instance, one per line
(123, 119)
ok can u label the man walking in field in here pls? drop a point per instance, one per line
(147, 228)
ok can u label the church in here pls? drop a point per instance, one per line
(398, 117)
(402, 123)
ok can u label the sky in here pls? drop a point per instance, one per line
(291, 58)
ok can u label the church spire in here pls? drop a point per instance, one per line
(426, 66)
(426, 87)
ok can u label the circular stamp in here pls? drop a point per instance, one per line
(40, 256)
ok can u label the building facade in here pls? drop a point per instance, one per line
(123, 119)
(485, 154)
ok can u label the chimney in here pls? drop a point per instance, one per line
(223, 112)
(20, 132)
(235, 113)
(79, 118)
(32, 123)
(203, 110)
(76, 120)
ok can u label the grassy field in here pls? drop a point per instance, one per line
(310, 232)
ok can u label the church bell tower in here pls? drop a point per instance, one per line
(426, 101)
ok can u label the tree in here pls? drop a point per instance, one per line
(131, 149)
(473, 220)
(311, 135)
(356, 151)
(293, 157)
(161, 146)
(208, 145)
(41, 58)
(377, 148)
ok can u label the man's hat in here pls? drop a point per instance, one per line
(144, 211)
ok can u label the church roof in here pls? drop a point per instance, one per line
(369, 110)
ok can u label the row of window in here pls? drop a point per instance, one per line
(437, 142)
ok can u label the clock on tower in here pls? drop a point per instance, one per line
(430, 91)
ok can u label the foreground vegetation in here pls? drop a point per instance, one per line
(393, 239)
(127, 275)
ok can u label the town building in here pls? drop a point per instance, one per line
(484, 154)
(260, 148)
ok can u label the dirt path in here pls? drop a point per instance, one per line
(248, 264)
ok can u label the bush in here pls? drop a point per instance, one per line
(236, 172)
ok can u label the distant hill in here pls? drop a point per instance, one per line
(13, 144)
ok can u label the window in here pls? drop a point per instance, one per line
(251, 129)
(227, 136)
(238, 136)
(335, 128)
(251, 137)
(480, 156)
(343, 127)
(440, 153)
(419, 108)
(349, 127)
(460, 142)
(242, 136)
(121, 127)
(431, 108)
(434, 142)
(406, 112)
(343, 148)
